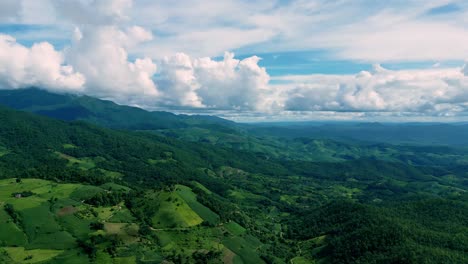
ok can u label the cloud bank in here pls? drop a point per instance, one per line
(100, 61)
(203, 82)
(97, 63)
(435, 92)
(41, 66)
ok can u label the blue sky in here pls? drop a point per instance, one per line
(444, 9)
(294, 59)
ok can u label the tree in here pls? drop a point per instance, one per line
(96, 225)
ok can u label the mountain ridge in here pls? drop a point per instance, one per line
(102, 112)
(194, 202)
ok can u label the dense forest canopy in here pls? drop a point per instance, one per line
(187, 189)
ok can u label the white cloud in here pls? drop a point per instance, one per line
(94, 12)
(99, 53)
(349, 29)
(199, 27)
(111, 57)
(9, 10)
(41, 65)
(408, 41)
(36, 12)
(203, 82)
(100, 46)
(430, 92)
(98, 62)
(211, 42)
(355, 30)
(178, 81)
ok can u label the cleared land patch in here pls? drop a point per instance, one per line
(174, 212)
(191, 199)
(21, 255)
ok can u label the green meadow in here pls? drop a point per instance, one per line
(50, 219)
(52, 223)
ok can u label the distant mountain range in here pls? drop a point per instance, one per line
(196, 189)
(218, 130)
(106, 113)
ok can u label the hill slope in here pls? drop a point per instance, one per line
(49, 222)
(160, 198)
(101, 112)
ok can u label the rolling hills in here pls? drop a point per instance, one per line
(133, 196)
(105, 113)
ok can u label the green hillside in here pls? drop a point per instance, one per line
(333, 142)
(73, 192)
(48, 222)
(101, 112)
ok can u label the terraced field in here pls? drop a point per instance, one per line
(46, 221)
(51, 222)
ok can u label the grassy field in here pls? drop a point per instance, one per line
(202, 187)
(234, 228)
(85, 192)
(125, 231)
(11, 234)
(243, 195)
(188, 241)
(77, 227)
(52, 216)
(73, 256)
(302, 260)
(191, 199)
(114, 187)
(125, 260)
(180, 209)
(174, 212)
(69, 146)
(122, 216)
(243, 248)
(81, 163)
(112, 174)
(21, 255)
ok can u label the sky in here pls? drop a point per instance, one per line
(249, 61)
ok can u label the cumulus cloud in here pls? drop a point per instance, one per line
(95, 63)
(99, 50)
(99, 61)
(41, 66)
(431, 91)
(203, 82)
(99, 53)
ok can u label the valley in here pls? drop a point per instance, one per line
(214, 191)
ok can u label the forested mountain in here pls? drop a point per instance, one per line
(120, 196)
(452, 134)
(210, 128)
(105, 113)
(412, 143)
